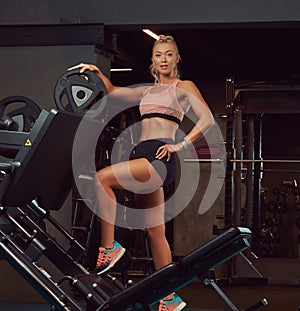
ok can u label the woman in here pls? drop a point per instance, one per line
(162, 108)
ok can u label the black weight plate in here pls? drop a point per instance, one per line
(21, 109)
(77, 92)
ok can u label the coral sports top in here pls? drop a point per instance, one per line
(162, 104)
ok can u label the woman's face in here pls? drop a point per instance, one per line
(165, 58)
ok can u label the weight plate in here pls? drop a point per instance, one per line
(77, 92)
(21, 109)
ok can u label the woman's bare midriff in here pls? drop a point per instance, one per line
(153, 128)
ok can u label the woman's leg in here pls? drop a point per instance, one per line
(135, 175)
(160, 248)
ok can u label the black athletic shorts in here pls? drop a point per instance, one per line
(147, 149)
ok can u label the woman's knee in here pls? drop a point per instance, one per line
(101, 179)
(156, 232)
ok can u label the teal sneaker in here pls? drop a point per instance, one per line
(108, 257)
(175, 304)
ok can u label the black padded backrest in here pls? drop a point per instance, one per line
(45, 173)
(194, 265)
(229, 236)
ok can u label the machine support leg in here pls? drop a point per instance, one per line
(211, 281)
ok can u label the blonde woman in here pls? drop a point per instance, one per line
(153, 164)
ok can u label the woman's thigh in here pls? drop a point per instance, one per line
(137, 176)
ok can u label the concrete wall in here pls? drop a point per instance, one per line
(33, 71)
(133, 12)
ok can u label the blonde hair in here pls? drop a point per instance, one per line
(153, 71)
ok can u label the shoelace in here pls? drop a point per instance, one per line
(103, 257)
(163, 307)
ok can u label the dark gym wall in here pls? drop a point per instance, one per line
(44, 65)
(33, 71)
(119, 12)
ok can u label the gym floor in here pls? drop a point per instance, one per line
(44, 307)
(6, 306)
(202, 298)
(280, 298)
(16, 294)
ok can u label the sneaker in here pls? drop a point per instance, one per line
(108, 257)
(175, 304)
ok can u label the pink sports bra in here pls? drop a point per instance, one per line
(163, 104)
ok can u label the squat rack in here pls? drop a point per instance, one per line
(253, 99)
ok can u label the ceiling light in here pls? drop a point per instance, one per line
(121, 69)
(151, 33)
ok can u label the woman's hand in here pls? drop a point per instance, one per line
(83, 67)
(167, 150)
(125, 93)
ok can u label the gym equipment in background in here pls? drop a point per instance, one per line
(17, 116)
(23, 110)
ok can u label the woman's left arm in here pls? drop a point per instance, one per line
(198, 104)
(193, 98)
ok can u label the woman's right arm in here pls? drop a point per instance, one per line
(130, 94)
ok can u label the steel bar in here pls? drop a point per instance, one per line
(237, 174)
(230, 99)
(244, 160)
(250, 142)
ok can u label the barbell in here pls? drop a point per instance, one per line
(219, 160)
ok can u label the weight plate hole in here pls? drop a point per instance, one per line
(80, 94)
